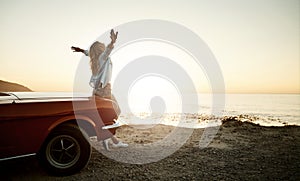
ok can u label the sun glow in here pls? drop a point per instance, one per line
(154, 94)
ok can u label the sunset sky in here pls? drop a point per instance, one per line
(255, 42)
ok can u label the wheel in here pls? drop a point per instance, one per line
(65, 151)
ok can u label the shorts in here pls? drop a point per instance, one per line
(104, 92)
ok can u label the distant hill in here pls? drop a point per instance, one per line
(12, 87)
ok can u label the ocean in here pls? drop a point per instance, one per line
(272, 109)
(264, 109)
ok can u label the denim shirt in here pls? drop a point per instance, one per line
(103, 76)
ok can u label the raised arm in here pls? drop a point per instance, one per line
(113, 37)
(110, 46)
(77, 49)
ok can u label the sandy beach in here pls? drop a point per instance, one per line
(239, 151)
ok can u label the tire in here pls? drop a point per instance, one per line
(65, 151)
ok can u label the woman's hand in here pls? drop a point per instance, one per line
(113, 36)
(76, 49)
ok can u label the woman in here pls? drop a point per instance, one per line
(101, 67)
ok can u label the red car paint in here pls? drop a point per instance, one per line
(26, 119)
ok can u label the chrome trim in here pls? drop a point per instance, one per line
(14, 95)
(33, 100)
(20, 156)
(32, 97)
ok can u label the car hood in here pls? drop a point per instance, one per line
(26, 104)
(48, 95)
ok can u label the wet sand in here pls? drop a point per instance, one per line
(239, 151)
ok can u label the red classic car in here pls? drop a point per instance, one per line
(54, 126)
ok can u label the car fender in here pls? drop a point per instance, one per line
(70, 118)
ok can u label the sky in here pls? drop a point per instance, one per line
(256, 43)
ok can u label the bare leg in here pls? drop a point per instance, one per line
(117, 143)
(114, 140)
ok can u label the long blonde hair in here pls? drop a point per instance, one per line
(95, 51)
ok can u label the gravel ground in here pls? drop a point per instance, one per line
(240, 151)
